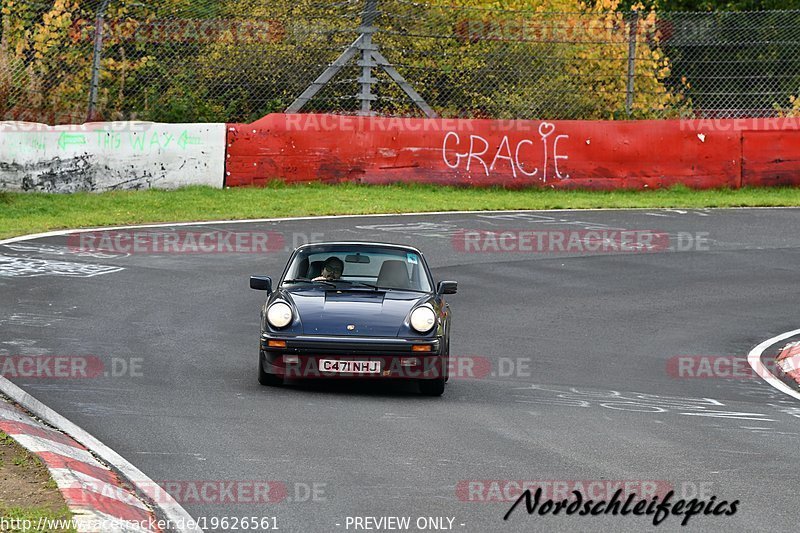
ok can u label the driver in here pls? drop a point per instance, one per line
(331, 270)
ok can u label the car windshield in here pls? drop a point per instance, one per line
(368, 266)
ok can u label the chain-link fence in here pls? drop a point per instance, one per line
(203, 60)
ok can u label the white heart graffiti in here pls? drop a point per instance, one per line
(518, 159)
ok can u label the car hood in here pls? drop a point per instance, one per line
(370, 313)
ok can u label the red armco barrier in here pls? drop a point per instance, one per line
(770, 158)
(514, 153)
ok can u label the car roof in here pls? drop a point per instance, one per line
(359, 243)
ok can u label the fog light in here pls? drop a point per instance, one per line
(421, 348)
(276, 344)
(291, 359)
(409, 361)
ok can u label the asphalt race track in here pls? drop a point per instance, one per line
(575, 378)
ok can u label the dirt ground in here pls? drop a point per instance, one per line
(25, 483)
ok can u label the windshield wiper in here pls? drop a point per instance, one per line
(375, 287)
(305, 280)
(333, 282)
(358, 283)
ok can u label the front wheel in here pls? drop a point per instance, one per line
(432, 387)
(270, 380)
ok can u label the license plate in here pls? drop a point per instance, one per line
(350, 367)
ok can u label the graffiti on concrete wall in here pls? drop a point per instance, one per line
(110, 156)
(541, 157)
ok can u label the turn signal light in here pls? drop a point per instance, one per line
(276, 344)
(421, 348)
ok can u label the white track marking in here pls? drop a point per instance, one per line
(754, 358)
(48, 249)
(60, 233)
(29, 267)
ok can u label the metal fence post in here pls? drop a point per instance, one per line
(370, 57)
(632, 33)
(366, 62)
(96, 57)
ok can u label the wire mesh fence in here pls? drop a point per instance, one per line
(203, 60)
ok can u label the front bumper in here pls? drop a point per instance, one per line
(396, 356)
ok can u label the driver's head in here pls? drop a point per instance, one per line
(333, 268)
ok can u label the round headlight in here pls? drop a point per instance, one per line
(423, 319)
(279, 314)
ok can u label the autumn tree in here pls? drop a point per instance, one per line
(502, 59)
(46, 55)
(191, 60)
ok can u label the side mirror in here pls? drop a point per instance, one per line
(447, 287)
(261, 283)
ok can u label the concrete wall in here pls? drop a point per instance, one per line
(110, 156)
(515, 153)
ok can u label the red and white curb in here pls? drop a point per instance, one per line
(93, 493)
(99, 500)
(791, 358)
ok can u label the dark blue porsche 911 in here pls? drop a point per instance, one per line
(355, 310)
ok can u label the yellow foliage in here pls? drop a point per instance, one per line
(50, 53)
(587, 49)
(793, 110)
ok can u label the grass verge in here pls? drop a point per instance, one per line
(22, 213)
(28, 496)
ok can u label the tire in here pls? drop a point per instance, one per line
(269, 380)
(432, 387)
